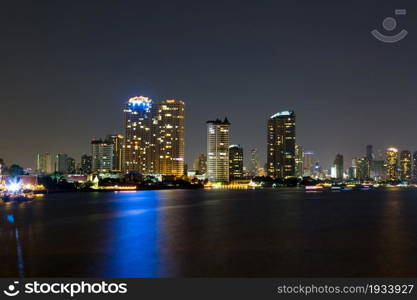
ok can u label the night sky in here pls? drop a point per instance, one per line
(67, 67)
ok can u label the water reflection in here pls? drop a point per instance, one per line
(180, 233)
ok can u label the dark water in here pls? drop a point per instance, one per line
(211, 233)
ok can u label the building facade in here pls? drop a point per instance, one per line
(281, 145)
(338, 165)
(391, 163)
(218, 150)
(45, 163)
(405, 165)
(64, 164)
(200, 164)
(117, 141)
(86, 164)
(171, 137)
(235, 162)
(102, 156)
(299, 161)
(140, 122)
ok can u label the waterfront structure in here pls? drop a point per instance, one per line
(86, 164)
(45, 163)
(308, 161)
(102, 156)
(235, 162)
(140, 124)
(338, 167)
(281, 145)
(64, 164)
(200, 164)
(218, 150)
(117, 141)
(170, 136)
(299, 161)
(391, 163)
(405, 165)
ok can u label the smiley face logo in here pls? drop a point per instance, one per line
(11, 290)
(389, 24)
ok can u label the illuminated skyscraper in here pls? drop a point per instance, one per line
(218, 150)
(281, 145)
(45, 163)
(171, 130)
(391, 163)
(235, 162)
(117, 141)
(255, 166)
(308, 161)
(299, 161)
(338, 165)
(405, 165)
(102, 156)
(140, 122)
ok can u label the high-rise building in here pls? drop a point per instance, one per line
(64, 164)
(308, 162)
(235, 162)
(170, 134)
(102, 156)
(117, 141)
(405, 165)
(140, 122)
(378, 170)
(338, 167)
(281, 145)
(391, 163)
(218, 150)
(415, 166)
(255, 166)
(299, 161)
(45, 163)
(370, 153)
(363, 169)
(200, 164)
(86, 164)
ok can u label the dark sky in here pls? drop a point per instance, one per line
(66, 67)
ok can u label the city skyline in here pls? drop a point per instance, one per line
(336, 87)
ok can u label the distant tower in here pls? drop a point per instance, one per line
(171, 131)
(102, 156)
(45, 163)
(218, 150)
(338, 164)
(281, 145)
(86, 164)
(254, 163)
(140, 124)
(117, 141)
(370, 153)
(391, 163)
(405, 165)
(200, 164)
(299, 161)
(235, 162)
(308, 161)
